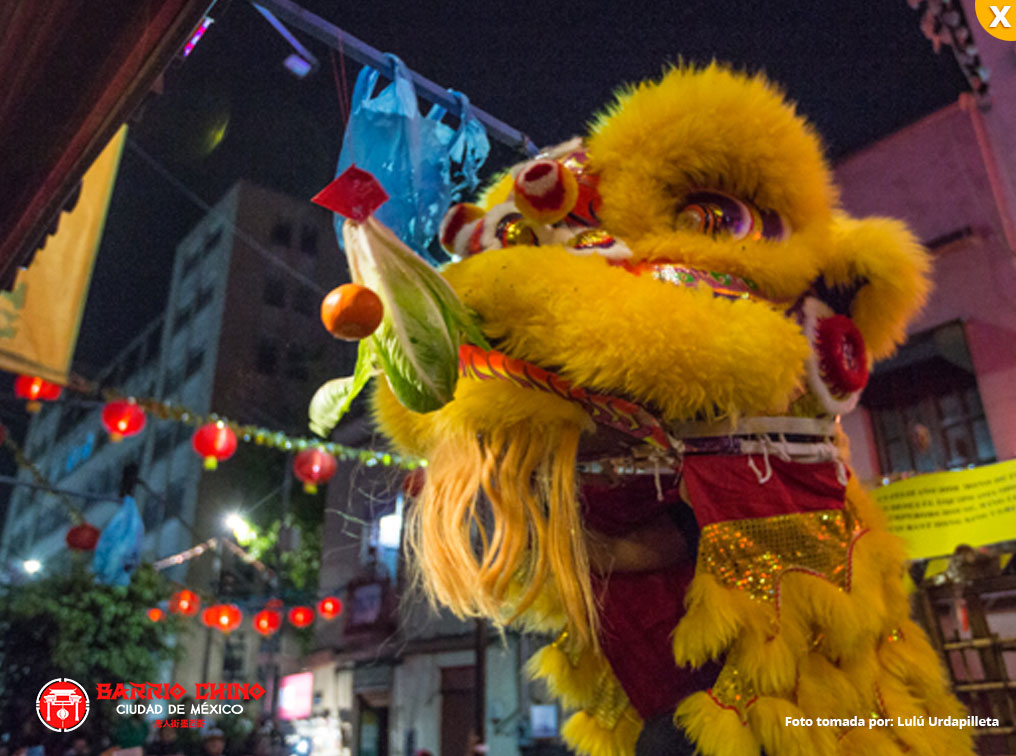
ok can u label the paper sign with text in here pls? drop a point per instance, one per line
(937, 512)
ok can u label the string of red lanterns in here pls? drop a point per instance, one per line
(227, 617)
(123, 418)
(267, 622)
(314, 467)
(329, 608)
(223, 617)
(215, 442)
(184, 602)
(36, 390)
(300, 616)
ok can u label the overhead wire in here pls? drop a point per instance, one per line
(240, 233)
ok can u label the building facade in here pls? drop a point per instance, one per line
(240, 337)
(393, 675)
(947, 399)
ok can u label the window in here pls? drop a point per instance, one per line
(305, 301)
(173, 380)
(152, 515)
(275, 292)
(190, 262)
(204, 298)
(194, 361)
(308, 241)
(182, 318)
(282, 234)
(163, 442)
(925, 410)
(267, 358)
(296, 363)
(212, 241)
(174, 500)
(233, 656)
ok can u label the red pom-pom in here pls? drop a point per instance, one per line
(545, 191)
(354, 194)
(843, 360)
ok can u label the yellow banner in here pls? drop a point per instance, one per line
(937, 512)
(40, 316)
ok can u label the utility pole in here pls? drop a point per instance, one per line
(217, 581)
(480, 681)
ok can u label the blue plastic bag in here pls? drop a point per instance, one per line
(118, 552)
(411, 155)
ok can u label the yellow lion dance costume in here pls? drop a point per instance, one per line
(647, 466)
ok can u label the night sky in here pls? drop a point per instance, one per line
(859, 73)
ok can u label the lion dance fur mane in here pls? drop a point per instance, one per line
(714, 337)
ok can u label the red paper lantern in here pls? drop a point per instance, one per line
(223, 617)
(267, 622)
(301, 616)
(123, 418)
(273, 604)
(36, 390)
(185, 602)
(155, 614)
(314, 467)
(329, 607)
(83, 537)
(215, 442)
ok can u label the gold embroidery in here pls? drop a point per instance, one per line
(609, 701)
(752, 554)
(733, 690)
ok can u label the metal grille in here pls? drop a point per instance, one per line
(971, 619)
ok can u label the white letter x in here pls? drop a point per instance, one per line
(1000, 16)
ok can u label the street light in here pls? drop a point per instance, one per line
(242, 530)
(31, 566)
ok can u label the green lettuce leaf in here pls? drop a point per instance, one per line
(333, 399)
(417, 344)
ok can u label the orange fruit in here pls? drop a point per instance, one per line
(351, 312)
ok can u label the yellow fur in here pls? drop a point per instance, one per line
(717, 731)
(497, 532)
(586, 736)
(706, 128)
(886, 254)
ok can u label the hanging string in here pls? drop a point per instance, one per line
(41, 481)
(166, 410)
(246, 238)
(339, 87)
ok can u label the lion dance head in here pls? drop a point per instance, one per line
(646, 463)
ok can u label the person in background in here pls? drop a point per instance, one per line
(130, 732)
(166, 743)
(214, 743)
(80, 746)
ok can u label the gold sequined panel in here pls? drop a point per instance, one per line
(752, 554)
(609, 701)
(733, 690)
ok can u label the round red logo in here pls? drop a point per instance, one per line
(62, 704)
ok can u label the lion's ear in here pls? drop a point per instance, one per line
(892, 270)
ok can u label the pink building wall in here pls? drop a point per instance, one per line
(938, 176)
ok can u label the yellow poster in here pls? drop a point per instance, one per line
(937, 512)
(40, 316)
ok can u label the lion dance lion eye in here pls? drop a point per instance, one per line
(715, 213)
